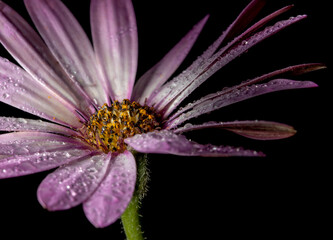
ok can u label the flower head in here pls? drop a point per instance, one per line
(97, 117)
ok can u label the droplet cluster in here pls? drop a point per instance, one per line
(107, 129)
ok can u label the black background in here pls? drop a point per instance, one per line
(282, 195)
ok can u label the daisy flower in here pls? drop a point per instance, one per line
(99, 122)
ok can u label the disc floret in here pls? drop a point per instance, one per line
(110, 125)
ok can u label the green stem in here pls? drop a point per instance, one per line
(130, 220)
(130, 217)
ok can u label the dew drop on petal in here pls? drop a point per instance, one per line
(5, 95)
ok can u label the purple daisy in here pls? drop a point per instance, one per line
(98, 120)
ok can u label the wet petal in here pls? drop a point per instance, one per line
(114, 32)
(172, 94)
(244, 18)
(72, 184)
(10, 124)
(288, 71)
(168, 142)
(161, 72)
(221, 99)
(19, 89)
(111, 198)
(259, 130)
(27, 153)
(68, 43)
(29, 50)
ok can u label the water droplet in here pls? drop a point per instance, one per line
(5, 95)
(22, 120)
(188, 125)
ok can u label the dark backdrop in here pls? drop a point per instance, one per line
(281, 195)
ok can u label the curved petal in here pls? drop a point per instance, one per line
(290, 71)
(244, 18)
(173, 93)
(111, 198)
(161, 72)
(17, 88)
(68, 43)
(10, 124)
(27, 153)
(259, 130)
(170, 143)
(221, 99)
(72, 184)
(29, 50)
(114, 32)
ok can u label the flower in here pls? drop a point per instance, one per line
(97, 118)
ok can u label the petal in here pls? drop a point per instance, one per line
(26, 125)
(259, 130)
(111, 198)
(114, 32)
(176, 91)
(27, 153)
(72, 184)
(222, 99)
(19, 89)
(68, 43)
(244, 18)
(161, 72)
(29, 50)
(170, 143)
(290, 71)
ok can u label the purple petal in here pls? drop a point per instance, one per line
(115, 40)
(33, 55)
(68, 43)
(111, 198)
(291, 70)
(9, 124)
(72, 184)
(221, 99)
(161, 72)
(244, 18)
(170, 143)
(177, 90)
(27, 153)
(17, 88)
(259, 130)
(257, 26)
(194, 70)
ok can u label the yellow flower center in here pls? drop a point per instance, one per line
(107, 128)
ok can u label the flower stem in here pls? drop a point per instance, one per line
(130, 217)
(130, 220)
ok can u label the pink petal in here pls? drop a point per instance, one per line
(290, 71)
(9, 124)
(168, 142)
(173, 94)
(115, 40)
(27, 153)
(111, 198)
(68, 43)
(256, 26)
(244, 18)
(193, 71)
(161, 72)
(259, 130)
(72, 184)
(19, 89)
(221, 99)
(29, 50)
